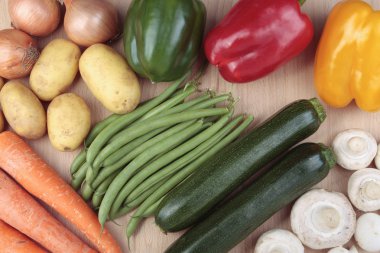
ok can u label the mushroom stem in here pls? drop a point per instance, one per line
(355, 149)
(278, 241)
(364, 189)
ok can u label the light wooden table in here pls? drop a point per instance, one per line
(261, 98)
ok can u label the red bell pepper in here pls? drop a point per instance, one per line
(256, 37)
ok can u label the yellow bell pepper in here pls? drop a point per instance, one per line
(347, 65)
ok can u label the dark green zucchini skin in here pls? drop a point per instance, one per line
(299, 170)
(224, 172)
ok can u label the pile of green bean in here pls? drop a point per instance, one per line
(133, 160)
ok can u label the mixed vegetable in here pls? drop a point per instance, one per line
(300, 169)
(178, 156)
(235, 164)
(142, 155)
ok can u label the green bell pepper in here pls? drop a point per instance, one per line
(162, 38)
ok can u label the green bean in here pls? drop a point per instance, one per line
(101, 190)
(188, 90)
(166, 159)
(79, 176)
(182, 175)
(146, 126)
(133, 204)
(136, 202)
(126, 149)
(162, 108)
(99, 127)
(103, 124)
(176, 92)
(140, 161)
(124, 120)
(78, 161)
(183, 161)
(211, 102)
(148, 212)
(86, 191)
(81, 157)
(184, 106)
(152, 209)
(137, 151)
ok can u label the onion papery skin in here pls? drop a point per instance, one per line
(36, 17)
(18, 52)
(88, 22)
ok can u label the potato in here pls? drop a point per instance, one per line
(69, 121)
(55, 69)
(23, 111)
(110, 79)
(2, 123)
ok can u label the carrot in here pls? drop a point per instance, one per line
(29, 170)
(12, 241)
(24, 213)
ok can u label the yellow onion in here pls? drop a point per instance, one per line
(88, 22)
(36, 17)
(18, 53)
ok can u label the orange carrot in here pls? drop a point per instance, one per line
(21, 211)
(29, 170)
(12, 241)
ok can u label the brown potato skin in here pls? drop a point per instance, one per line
(110, 79)
(55, 69)
(22, 110)
(2, 123)
(1, 82)
(69, 121)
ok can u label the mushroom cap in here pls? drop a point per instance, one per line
(367, 232)
(279, 241)
(323, 219)
(364, 189)
(377, 158)
(354, 149)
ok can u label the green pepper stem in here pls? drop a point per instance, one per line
(301, 2)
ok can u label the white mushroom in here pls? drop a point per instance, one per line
(367, 232)
(343, 250)
(278, 241)
(323, 219)
(353, 249)
(364, 189)
(377, 158)
(355, 149)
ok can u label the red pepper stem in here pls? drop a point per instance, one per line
(301, 2)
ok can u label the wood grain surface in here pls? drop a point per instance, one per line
(261, 98)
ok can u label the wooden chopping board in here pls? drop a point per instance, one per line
(261, 98)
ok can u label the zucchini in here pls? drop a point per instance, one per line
(225, 171)
(299, 170)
